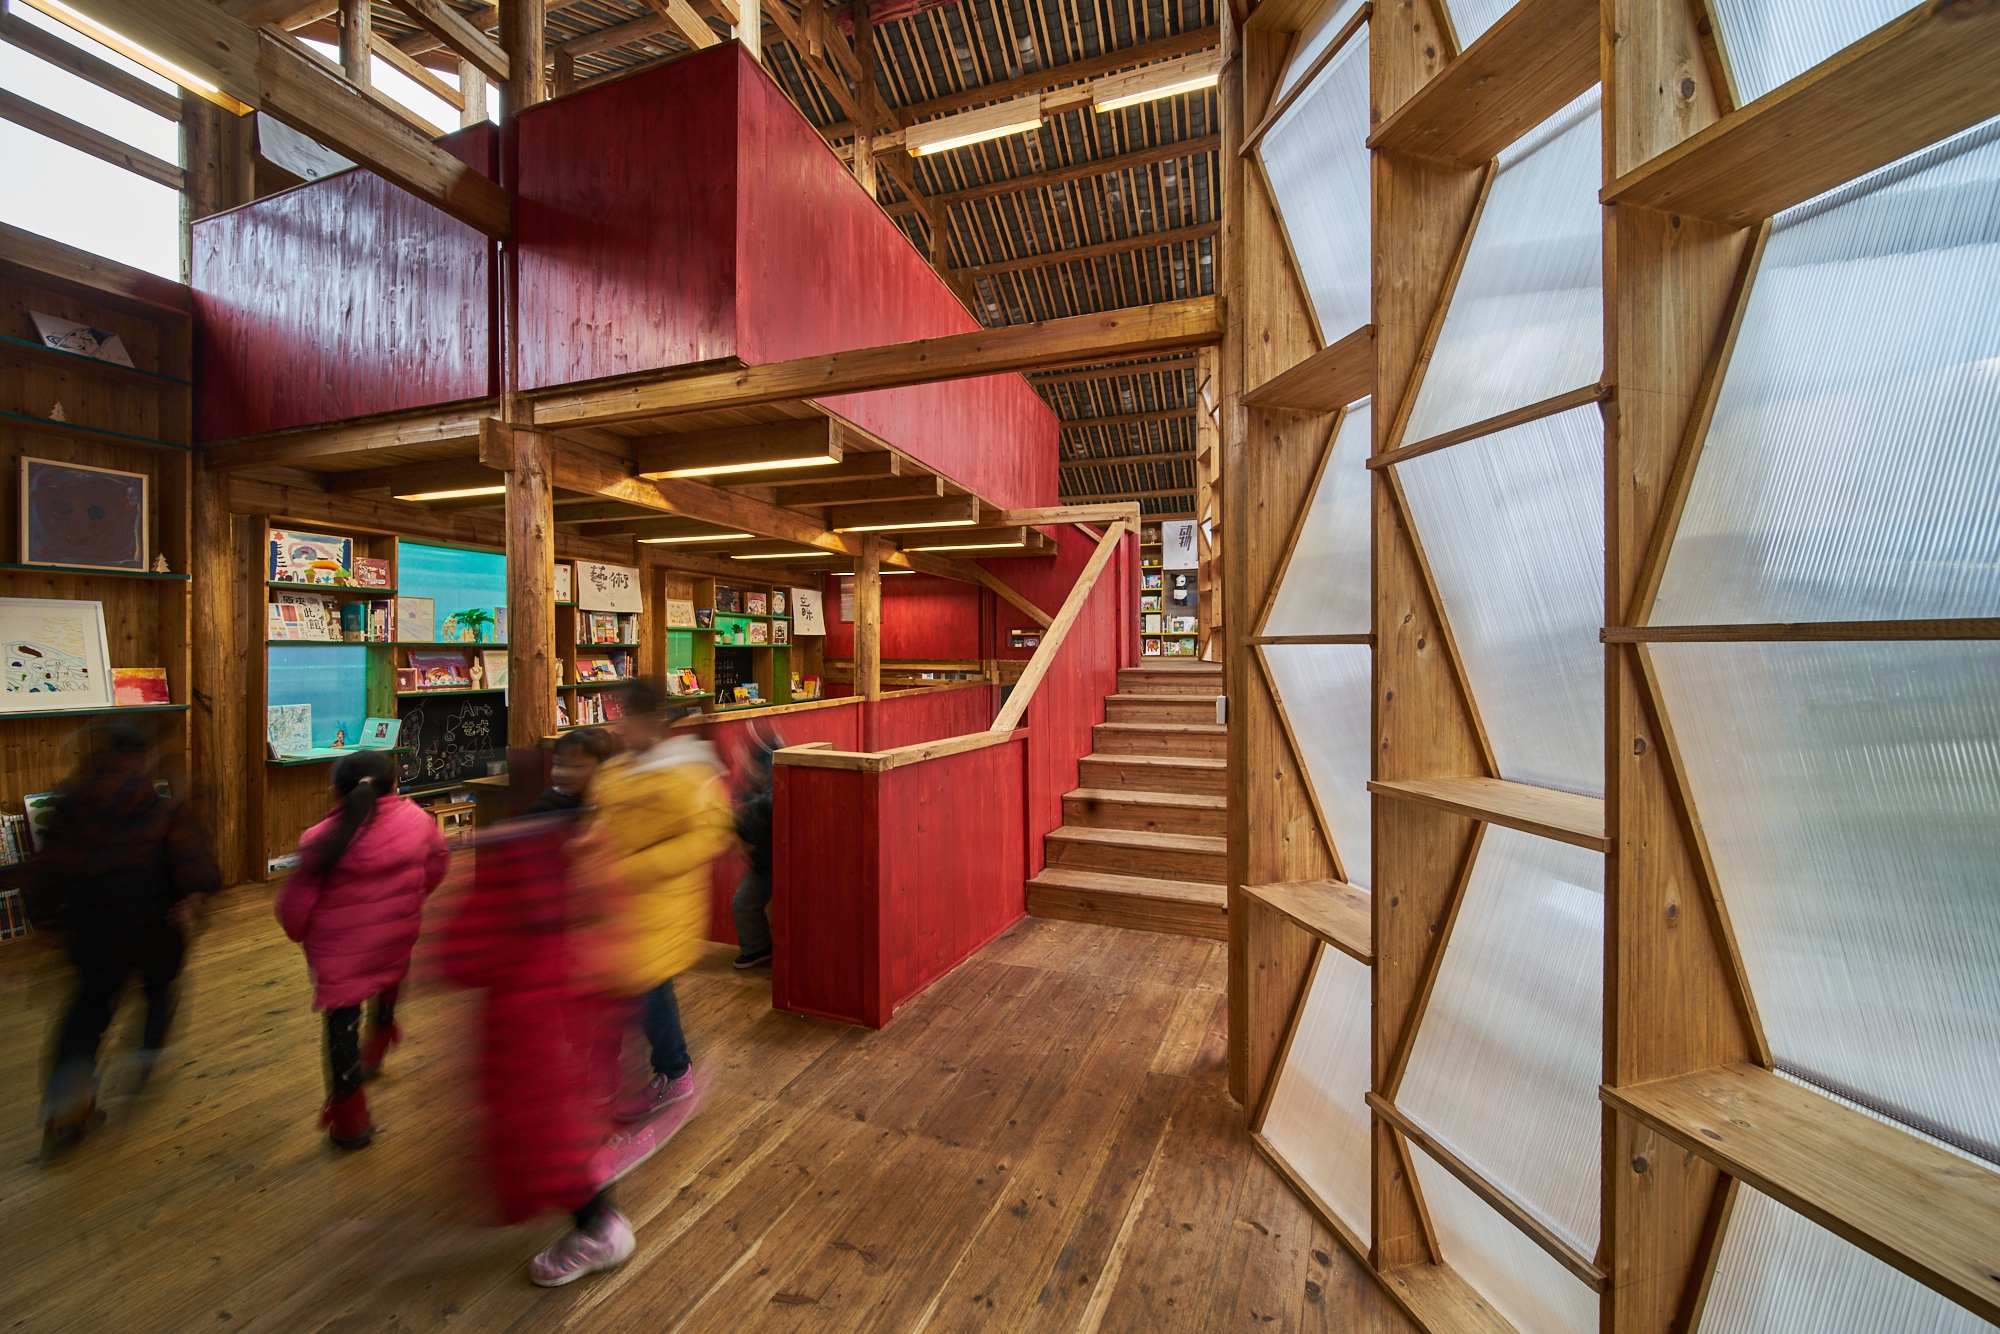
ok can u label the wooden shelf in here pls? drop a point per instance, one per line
(440, 643)
(1926, 1211)
(109, 369)
(91, 433)
(292, 761)
(1540, 56)
(329, 643)
(94, 572)
(1328, 380)
(596, 685)
(1905, 86)
(1438, 1300)
(456, 690)
(1562, 816)
(337, 590)
(1335, 912)
(84, 713)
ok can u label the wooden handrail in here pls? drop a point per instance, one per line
(1052, 639)
(818, 755)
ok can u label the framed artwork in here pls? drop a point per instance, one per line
(311, 558)
(73, 514)
(288, 727)
(53, 656)
(601, 587)
(1179, 546)
(562, 584)
(807, 614)
(80, 339)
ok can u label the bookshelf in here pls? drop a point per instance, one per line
(133, 420)
(1157, 609)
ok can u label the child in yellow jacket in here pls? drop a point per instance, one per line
(663, 805)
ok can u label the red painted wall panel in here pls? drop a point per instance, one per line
(628, 223)
(823, 916)
(908, 718)
(924, 619)
(340, 298)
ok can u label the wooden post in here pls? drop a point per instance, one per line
(216, 759)
(472, 85)
(219, 165)
(565, 73)
(522, 39)
(531, 607)
(356, 31)
(1208, 521)
(750, 28)
(864, 97)
(868, 618)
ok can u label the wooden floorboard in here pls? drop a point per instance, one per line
(1040, 1141)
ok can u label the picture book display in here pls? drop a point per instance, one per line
(74, 514)
(563, 585)
(380, 733)
(311, 558)
(288, 728)
(53, 656)
(781, 632)
(683, 682)
(140, 685)
(680, 614)
(80, 339)
(440, 671)
(371, 572)
(759, 632)
(415, 620)
(754, 604)
(496, 667)
(310, 616)
(777, 602)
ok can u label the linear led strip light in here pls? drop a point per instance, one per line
(1019, 115)
(139, 55)
(690, 537)
(457, 493)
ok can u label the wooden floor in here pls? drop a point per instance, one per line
(1042, 1141)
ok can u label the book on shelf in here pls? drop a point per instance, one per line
(440, 671)
(683, 681)
(628, 628)
(288, 728)
(371, 572)
(726, 601)
(495, 660)
(380, 733)
(781, 632)
(140, 685)
(1151, 649)
(600, 627)
(704, 618)
(777, 602)
(680, 614)
(416, 620)
(754, 604)
(14, 839)
(1149, 623)
(563, 585)
(311, 558)
(759, 632)
(562, 705)
(1178, 648)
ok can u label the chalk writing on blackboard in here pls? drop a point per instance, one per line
(451, 740)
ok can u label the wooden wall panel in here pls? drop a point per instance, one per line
(925, 618)
(908, 717)
(341, 298)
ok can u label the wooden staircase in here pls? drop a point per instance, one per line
(1141, 843)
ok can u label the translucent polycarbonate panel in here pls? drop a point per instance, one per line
(1325, 590)
(1314, 38)
(1851, 798)
(1470, 18)
(1850, 472)
(1316, 157)
(1513, 525)
(1772, 41)
(1523, 1281)
(1319, 1118)
(1527, 320)
(1780, 1270)
(1506, 1064)
(1325, 692)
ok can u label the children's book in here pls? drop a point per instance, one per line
(289, 728)
(781, 632)
(777, 602)
(441, 671)
(380, 733)
(41, 808)
(754, 604)
(759, 632)
(562, 705)
(563, 585)
(371, 572)
(140, 685)
(416, 620)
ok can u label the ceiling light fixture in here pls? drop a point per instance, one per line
(762, 465)
(972, 546)
(1017, 116)
(461, 493)
(132, 51)
(906, 527)
(1170, 78)
(784, 555)
(696, 537)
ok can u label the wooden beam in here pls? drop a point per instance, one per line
(1908, 84)
(1184, 414)
(1536, 59)
(647, 525)
(1179, 364)
(618, 34)
(1199, 146)
(274, 75)
(979, 574)
(1076, 71)
(760, 448)
(468, 43)
(1063, 342)
(1121, 246)
(110, 281)
(1120, 460)
(1327, 381)
(472, 90)
(350, 441)
(860, 491)
(357, 35)
(995, 541)
(1548, 407)
(1085, 512)
(868, 619)
(69, 56)
(422, 75)
(1923, 1210)
(1283, 103)
(74, 134)
(685, 23)
(1805, 632)
(1086, 497)
(1058, 630)
(405, 480)
(1562, 816)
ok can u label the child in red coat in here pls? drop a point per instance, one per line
(356, 903)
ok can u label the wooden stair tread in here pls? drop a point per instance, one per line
(1185, 729)
(1140, 838)
(1136, 886)
(1336, 912)
(1161, 761)
(1164, 698)
(1194, 801)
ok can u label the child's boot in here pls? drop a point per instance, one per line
(375, 1047)
(346, 1121)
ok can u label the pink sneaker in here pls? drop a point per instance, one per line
(580, 1252)
(655, 1094)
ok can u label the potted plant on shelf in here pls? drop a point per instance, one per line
(475, 624)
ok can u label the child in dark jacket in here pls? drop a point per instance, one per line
(577, 755)
(122, 871)
(751, 903)
(356, 903)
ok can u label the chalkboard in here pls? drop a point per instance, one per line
(451, 738)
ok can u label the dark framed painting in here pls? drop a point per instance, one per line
(74, 514)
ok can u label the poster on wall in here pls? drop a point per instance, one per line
(601, 587)
(73, 514)
(1178, 545)
(53, 656)
(80, 339)
(808, 616)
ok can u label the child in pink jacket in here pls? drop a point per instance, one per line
(356, 902)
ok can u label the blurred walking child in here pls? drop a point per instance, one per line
(122, 872)
(665, 811)
(577, 757)
(356, 902)
(752, 901)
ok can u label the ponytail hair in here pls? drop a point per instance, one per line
(360, 780)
